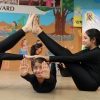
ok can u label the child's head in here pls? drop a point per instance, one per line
(91, 38)
(14, 23)
(24, 41)
(36, 49)
(71, 19)
(38, 41)
(37, 66)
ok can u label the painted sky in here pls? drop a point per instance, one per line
(93, 24)
(46, 19)
(87, 4)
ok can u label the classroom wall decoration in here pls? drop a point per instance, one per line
(83, 4)
(55, 18)
(90, 19)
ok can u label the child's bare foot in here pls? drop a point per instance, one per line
(36, 28)
(28, 26)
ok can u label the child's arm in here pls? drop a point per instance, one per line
(52, 79)
(29, 77)
(24, 71)
(24, 68)
(45, 73)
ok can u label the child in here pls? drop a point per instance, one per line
(36, 49)
(43, 79)
(84, 66)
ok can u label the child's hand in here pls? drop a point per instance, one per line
(45, 73)
(37, 56)
(24, 67)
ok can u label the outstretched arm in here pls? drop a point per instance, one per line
(45, 73)
(24, 71)
(24, 68)
(90, 56)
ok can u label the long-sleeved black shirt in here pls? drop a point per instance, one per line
(7, 44)
(90, 60)
(47, 86)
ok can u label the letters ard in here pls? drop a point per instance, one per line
(7, 8)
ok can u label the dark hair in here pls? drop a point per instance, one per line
(39, 60)
(94, 33)
(38, 41)
(15, 23)
(23, 40)
(71, 19)
(34, 48)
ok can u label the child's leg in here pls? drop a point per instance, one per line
(83, 80)
(53, 70)
(63, 71)
(53, 46)
(10, 41)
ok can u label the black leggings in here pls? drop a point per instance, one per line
(53, 70)
(11, 41)
(63, 71)
(80, 75)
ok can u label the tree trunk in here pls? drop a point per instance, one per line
(60, 24)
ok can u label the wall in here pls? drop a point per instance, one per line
(55, 22)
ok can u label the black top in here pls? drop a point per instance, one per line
(90, 60)
(47, 86)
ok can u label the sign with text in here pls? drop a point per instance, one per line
(20, 9)
(77, 21)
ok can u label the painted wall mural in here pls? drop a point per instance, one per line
(57, 22)
(83, 4)
(90, 20)
(79, 6)
(48, 3)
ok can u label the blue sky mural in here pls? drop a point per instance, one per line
(93, 22)
(46, 19)
(87, 3)
(98, 1)
(9, 17)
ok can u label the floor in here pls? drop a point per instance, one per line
(13, 87)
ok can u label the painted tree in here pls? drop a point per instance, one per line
(21, 21)
(60, 16)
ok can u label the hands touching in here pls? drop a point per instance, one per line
(45, 57)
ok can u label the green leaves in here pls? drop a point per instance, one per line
(44, 8)
(69, 4)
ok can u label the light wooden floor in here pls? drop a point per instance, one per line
(13, 87)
